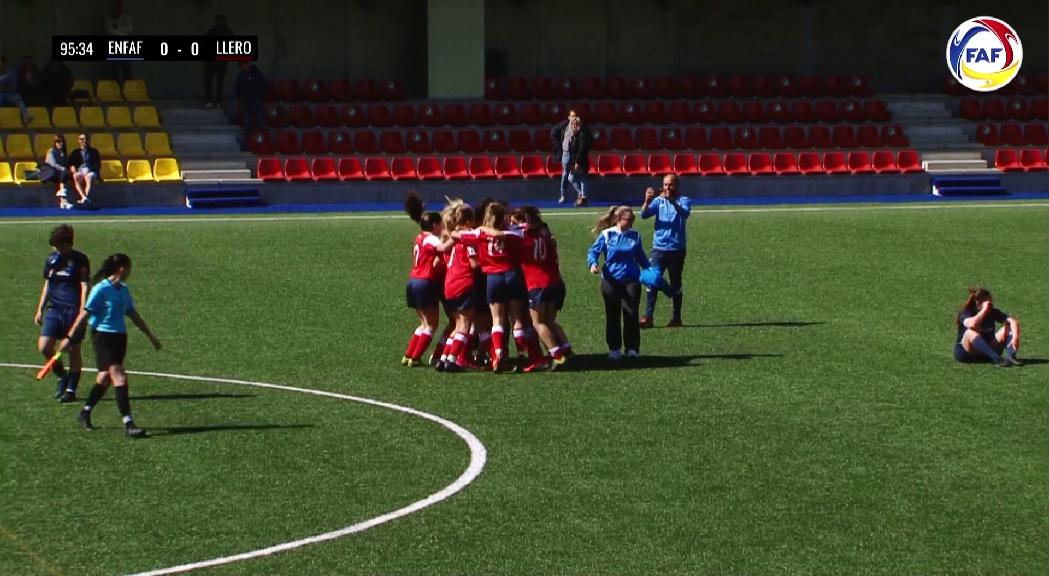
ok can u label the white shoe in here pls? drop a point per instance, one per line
(61, 193)
(209, 105)
(65, 205)
(632, 354)
(561, 200)
(614, 355)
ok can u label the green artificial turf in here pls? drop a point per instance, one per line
(809, 419)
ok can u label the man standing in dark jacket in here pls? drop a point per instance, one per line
(572, 143)
(250, 89)
(215, 72)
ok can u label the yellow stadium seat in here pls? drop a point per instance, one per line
(108, 91)
(5, 174)
(2, 152)
(72, 141)
(10, 118)
(18, 146)
(135, 91)
(41, 119)
(91, 117)
(83, 86)
(41, 144)
(64, 117)
(21, 168)
(113, 171)
(157, 144)
(103, 141)
(146, 117)
(139, 170)
(166, 170)
(119, 117)
(130, 144)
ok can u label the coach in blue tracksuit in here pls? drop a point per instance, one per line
(620, 278)
(671, 211)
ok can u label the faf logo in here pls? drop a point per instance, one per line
(984, 54)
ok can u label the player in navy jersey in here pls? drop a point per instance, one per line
(66, 274)
(977, 339)
(426, 280)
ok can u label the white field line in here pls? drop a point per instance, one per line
(699, 209)
(478, 457)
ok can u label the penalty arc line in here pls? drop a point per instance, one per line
(478, 457)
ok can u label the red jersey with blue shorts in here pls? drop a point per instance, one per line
(538, 256)
(428, 264)
(459, 279)
(496, 255)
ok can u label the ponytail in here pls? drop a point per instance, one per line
(976, 294)
(608, 219)
(110, 265)
(413, 205)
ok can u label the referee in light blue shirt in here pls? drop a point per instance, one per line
(671, 211)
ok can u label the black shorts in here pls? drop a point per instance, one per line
(962, 356)
(551, 294)
(110, 348)
(507, 286)
(422, 293)
(465, 301)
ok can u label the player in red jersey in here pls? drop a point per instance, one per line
(460, 286)
(426, 281)
(542, 273)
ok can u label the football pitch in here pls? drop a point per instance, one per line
(809, 418)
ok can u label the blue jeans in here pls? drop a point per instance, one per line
(568, 176)
(13, 98)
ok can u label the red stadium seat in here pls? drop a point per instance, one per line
(418, 142)
(542, 139)
(315, 91)
(1031, 160)
(663, 87)
(323, 169)
(554, 113)
(403, 168)
(444, 142)
(481, 168)
(340, 90)
(601, 141)
(378, 115)
(493, 89)
(785, 163)
(640, 88)
(646, 138)
(455, 115)
(622, 139)
(987, 134)
(609, 165)
(275, 116)
(1007, 160)
(631, 113)
(391, 90)
(1022, 84)
(705, 113)
(680, 113)
(721, 138)
(827, 111)
(801, 111)
(754, 112)
(616, 88)
(710, 165)
(851, 111)
(313, 143)
(430, 115)
(592, 88)
(729, 112)
(469, 141)
(507, 167)
(819, 137)
(603, 113)
(392, 142)
(300, 116)
(520, 140)
(269, 170)
(542, 88)
(746, 138)
(634, 164)
(735, 163)
(835, 163)
(994, 109)
(480, 114)
(259, 143)
(287, 90)
(297, 169)
(1035, 134)
(869, 137)
(810, 163)
(859, 87)
(836, 86)
(1018, 109)
(1040, 109)
(760, 164)
(365, 142)
(688, 87)
(429, 168)
(778, 112)
(326, 115)
(884, 162)
(530, 113)
(952, 87)
(696, 138)
(567, 88)
(533, 166)
(794, 137)
(811, 86)
(971, 109)
(786, 87)
(763, 86)
(655, 113)
(495, 142)
(1012, 134)
(845, 137)
(738, 87)
(769, 137)
(404, 116)
(365, 89)
(876, 111)
(288, 143)
(714, 86)
(352, 115)
(554, 168)
(377, 168)
(350, 169)
(685, 164)
(670, 139)
(909, 161)
(860, 162)
(506, 114)
(516, 89)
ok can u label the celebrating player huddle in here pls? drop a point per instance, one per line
(501, 274)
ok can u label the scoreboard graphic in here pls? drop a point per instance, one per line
(155, 48)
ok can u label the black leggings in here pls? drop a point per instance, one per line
(622, 299)
(673, 261)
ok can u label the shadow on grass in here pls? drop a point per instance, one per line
(768, 324)
(1033, 361)
(179, 430)
(600, 362)
(204, 396)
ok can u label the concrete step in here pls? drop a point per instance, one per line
(194, 117)
(891, 98)
(948, 131)
(951, 165)
(209, 162)
(226, 181)
(941, 144)
(965, 171)
(938, 155)
(918, 109)
(220, 174)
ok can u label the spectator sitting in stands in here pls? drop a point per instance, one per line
(85, 163)
(56, 169)
(29, 82)
(56, 84)
(250, 89)
(9, 90)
